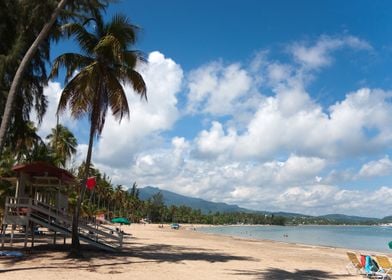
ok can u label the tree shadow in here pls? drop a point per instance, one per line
(281, 274)
(139, 253)
(170, 253)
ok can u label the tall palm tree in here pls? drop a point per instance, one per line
(51, 13)
(62, 144)
(106, 64)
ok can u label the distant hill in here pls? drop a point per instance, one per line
(205, 206)
(387, 219)
(171, 198)
(343, 218)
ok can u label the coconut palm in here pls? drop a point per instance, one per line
(104, 66)
(29, 44)
(62, 143)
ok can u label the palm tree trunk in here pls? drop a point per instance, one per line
(22, 68)
(75, 250)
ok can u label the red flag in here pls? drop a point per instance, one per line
(90, 183)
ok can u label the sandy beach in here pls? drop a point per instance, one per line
(162, 253)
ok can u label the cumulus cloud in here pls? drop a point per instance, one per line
(358, 125)
(319, 54)
(325, 199)
(339, 176)
(215, 142)
(381, 167)
(217, 89)
(290, 120)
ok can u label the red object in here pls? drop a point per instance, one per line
(363, 260)
(90, 183)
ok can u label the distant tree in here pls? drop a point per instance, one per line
(26, 144)
(62, 143)
(156, 207)
(134, 191)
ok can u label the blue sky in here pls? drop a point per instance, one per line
(271, 105)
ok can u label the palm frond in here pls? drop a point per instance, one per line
(77, 93)
(116, 96)
(132, 58)
(85, 39)
(138, 84)
(71, 62)
(123, 30)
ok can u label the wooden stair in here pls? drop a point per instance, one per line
(27, 212)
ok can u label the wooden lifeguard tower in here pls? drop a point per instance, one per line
(41, 200)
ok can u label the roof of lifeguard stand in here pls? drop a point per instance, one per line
(43, 169)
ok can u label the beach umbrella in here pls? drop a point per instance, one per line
(390, 245)
(121, 220)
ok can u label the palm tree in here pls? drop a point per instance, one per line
(24, 141)
(17, 81)
(105, 64)
(62, 143)
(27, 52)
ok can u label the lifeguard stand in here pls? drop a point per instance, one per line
(43, 183)
(41, 199)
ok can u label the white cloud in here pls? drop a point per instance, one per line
(339, 176)
(326, 199)
(214, 142)
(217, 89)
(278, 73)
(358, 125)
(381, 167)
(319, 55)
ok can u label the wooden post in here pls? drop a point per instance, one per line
(25, 239)
(32, 235)
(54, 238)
(4, 229)
(12, 234)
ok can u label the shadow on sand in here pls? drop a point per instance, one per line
(276, 273)
(136, 253)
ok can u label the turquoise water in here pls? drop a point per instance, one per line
(366, 238)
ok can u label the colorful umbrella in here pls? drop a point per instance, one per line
(121, 220)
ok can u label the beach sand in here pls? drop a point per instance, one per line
(163, 253)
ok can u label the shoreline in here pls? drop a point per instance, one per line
(163, 253)
(260, 238)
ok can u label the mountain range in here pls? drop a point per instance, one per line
(171, 198)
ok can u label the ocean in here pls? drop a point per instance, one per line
(359, 238)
